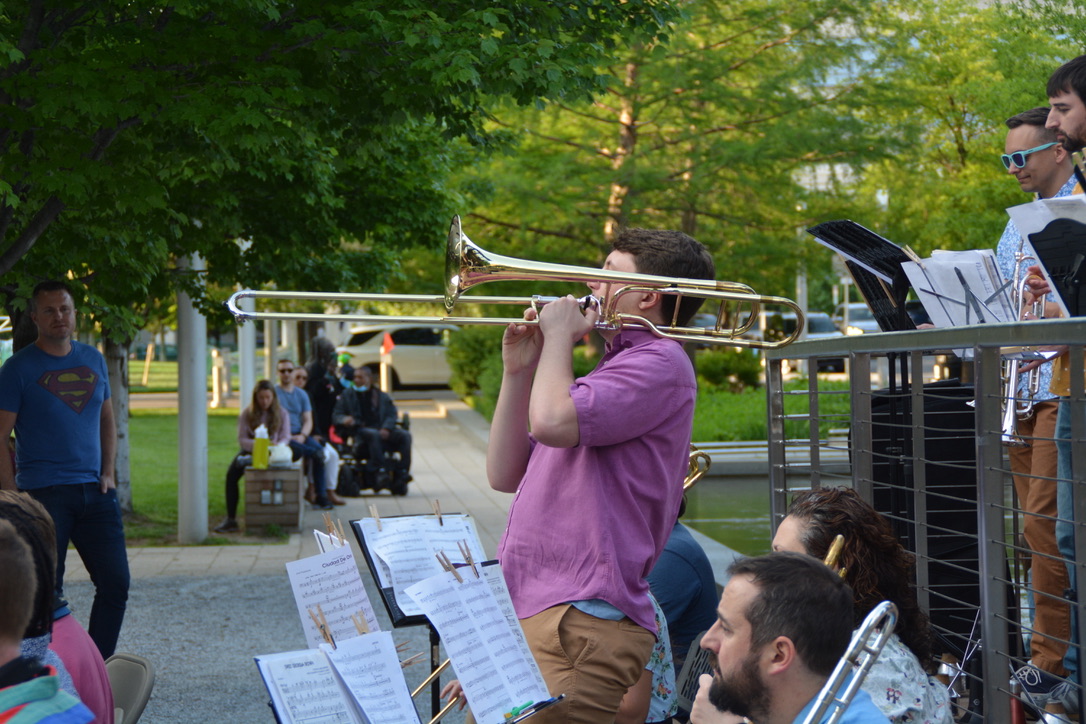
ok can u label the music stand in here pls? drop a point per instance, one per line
(875, 265)
(1061, 250)
(395, 612)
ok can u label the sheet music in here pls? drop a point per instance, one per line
(1036, 215)
(305, 690)
(369, 667)
(1033, 217)
(330, 579)
(960, 288)
(405, 549)
(493, 663)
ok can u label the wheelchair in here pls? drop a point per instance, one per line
(354, 477)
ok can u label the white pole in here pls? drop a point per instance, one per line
(271, 349)
(191, 415)
(246, 355)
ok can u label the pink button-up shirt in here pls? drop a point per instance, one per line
(590, 521)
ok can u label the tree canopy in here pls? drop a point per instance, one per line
(134, 133)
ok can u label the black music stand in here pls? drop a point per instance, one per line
(1061, 249)
(875, 265)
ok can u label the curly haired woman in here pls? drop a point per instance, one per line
(877, 568)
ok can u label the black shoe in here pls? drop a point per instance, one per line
(324, 504)
(383, 480)
(228, 526)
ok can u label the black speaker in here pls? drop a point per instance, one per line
(950, 495)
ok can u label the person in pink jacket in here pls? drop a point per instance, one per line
(264, 410)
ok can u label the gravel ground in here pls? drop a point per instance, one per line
(202, 633)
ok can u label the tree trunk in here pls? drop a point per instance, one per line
(117, 366)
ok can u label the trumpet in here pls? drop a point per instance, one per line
(867, 643)
(1017, 408)
(468, 265)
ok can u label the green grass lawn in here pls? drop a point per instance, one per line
(722, 415)
(162, 376)
(154, 443)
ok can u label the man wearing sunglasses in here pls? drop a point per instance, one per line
(1042, 166)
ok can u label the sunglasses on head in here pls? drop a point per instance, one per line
(1018, 158)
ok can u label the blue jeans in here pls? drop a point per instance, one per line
(315, 452)
(92, 522)
(1065, 525)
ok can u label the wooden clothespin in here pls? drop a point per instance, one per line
(411, 659)
(375, 516)
(437, 512)
(342, 535)
(359, 621)
(465, 551)
(322, 625)
(402, 645)
(328, 526)
(448, 566)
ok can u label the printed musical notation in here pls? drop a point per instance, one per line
(330, 579)
(405, 547)
(305, 690)
(370, 668)
(484, 640)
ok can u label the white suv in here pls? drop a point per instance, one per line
(418, 352)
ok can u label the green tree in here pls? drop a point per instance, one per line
(954, 71)
(719, 133)
(133, 134)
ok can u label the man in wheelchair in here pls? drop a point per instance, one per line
(368, 417)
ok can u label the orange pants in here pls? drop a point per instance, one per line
(591, 660)
(1034, 471)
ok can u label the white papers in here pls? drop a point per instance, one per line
(358, 682)
(1035, 216)
(490, 656)
(304, 689)
(404, 550)
(370, 669)
(961, 287)
(331, 580)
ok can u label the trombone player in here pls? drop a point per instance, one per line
(1041, 166)
(783, 622)
(590, 460)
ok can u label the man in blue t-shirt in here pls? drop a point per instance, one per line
(296, 402)
(55, 395)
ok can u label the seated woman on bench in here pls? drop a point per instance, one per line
(264, 410)
(368, 415)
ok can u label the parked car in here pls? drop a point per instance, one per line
(860, 319)
(417, 356)
(819, 326)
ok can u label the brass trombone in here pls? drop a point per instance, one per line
(867, 643)
(467, 265)
(697, 467)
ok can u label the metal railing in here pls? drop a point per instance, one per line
(928, 454)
